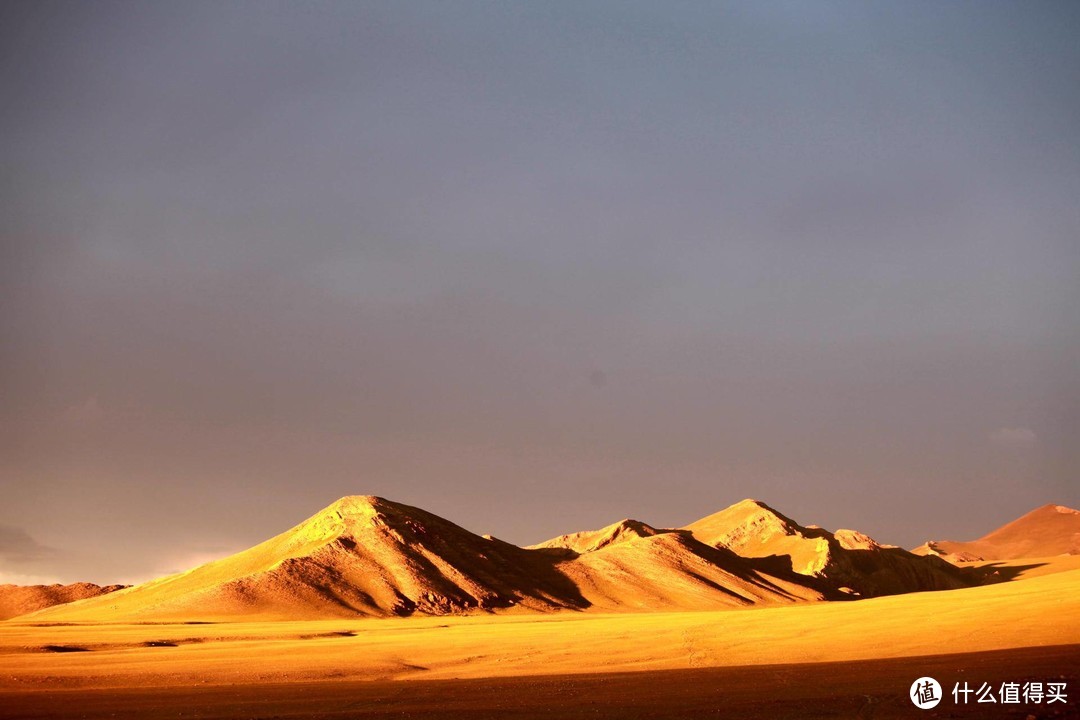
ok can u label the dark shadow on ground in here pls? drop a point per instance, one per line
(870, 690)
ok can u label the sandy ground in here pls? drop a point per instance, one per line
(491, 662)
(868, 690)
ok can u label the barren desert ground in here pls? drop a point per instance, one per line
(866, 689)
(840, 659)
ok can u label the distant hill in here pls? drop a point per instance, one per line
(589, 540)
(368, 556)
(21, 599)
(1045, 531)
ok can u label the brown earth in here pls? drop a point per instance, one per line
(21, 599)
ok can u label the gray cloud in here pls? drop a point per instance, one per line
(1018, 438)
(18, 547)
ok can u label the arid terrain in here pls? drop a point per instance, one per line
(375, 609)
(23, 599)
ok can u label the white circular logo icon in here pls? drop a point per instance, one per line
(925, 693)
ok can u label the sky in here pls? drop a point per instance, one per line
(533, 267)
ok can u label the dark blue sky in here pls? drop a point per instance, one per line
(534, 267)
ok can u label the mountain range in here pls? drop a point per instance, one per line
(368, 556)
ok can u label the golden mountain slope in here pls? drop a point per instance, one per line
(360, 556)
(589, 540)
(1045, 531)
(673, 571)
(846, 560)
